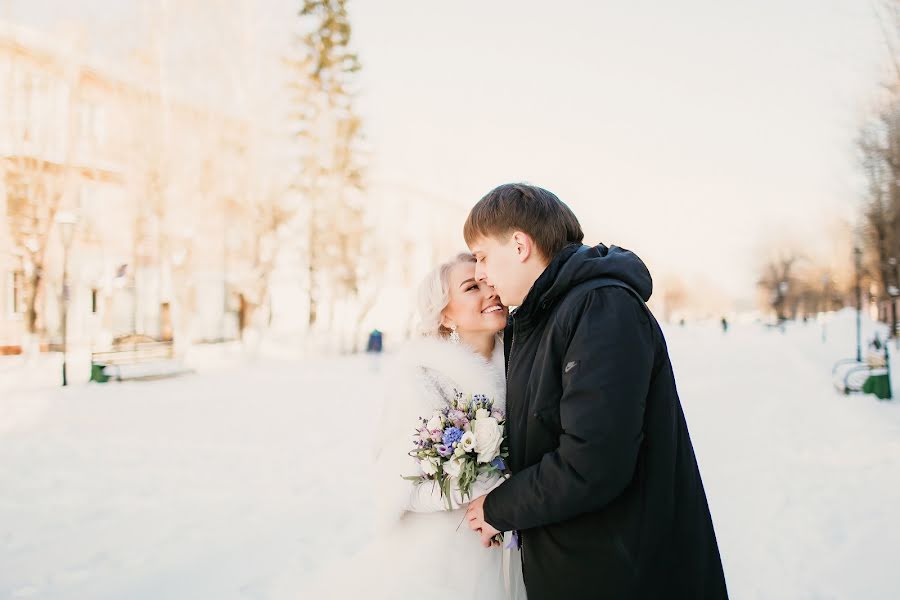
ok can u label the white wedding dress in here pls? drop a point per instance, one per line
(422, 548)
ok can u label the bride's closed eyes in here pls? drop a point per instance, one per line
(472, 285)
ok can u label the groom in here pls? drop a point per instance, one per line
(606, 494)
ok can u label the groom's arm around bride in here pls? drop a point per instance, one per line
(605, 492)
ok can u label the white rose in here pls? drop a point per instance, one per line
(467, 442)
(481, 413)
(436, 422)
(453, 467)
(488, 438)
(428, 466)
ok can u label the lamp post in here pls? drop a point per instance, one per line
(857, 265)
(179, 255)
(893, 292)
(825, 306)
(66, 223)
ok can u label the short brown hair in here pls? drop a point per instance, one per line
(527, 208)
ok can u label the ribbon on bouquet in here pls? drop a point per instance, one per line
(513, 543)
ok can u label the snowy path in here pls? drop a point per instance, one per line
(804, 484)
(200, 487)
(228, 484)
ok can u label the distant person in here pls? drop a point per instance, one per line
(376, 342)
(724, 325)
(876, 343)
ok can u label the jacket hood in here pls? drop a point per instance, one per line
(576, 264)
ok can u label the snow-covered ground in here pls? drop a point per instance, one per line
(243, 480)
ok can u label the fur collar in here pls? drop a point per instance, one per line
(461, 364)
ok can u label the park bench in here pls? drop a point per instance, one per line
(136, 359)
(871, 376)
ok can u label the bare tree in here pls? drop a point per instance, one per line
(262, 199)
(779, 281)
(329, 132)
(39, 173)
(879, 147)
(674, 297)
(233, 166)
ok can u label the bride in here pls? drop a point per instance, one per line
(422, 547)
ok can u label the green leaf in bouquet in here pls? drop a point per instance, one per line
(467, 477)
(485, 468)
(445, 491)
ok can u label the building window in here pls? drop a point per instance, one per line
(15, 293)
(94, 301)
(93, 123)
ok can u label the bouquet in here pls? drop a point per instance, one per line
(460, 442)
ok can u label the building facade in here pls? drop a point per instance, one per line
(152, 181)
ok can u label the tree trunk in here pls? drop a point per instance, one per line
(32, 313)
(313, 304)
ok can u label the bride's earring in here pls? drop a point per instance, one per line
(454, 336)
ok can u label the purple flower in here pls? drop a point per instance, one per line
(498, 414)
(452, 435)
(444, 450)
(498, 463)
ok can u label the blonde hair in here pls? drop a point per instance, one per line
(434, 296)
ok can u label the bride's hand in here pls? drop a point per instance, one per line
(475, 517)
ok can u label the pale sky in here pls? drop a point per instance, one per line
(686, 131)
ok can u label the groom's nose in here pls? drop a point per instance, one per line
(480, 275)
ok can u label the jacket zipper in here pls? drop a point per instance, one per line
(512, 345)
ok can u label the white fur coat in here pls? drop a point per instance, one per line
(416, 528)
(422, 378)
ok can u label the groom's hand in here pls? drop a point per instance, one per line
(475, 517)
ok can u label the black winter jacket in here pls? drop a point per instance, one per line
(606, 491)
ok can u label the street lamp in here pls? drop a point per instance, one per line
(179, 255)
(857, 264)
(893, 292)
(66, 223)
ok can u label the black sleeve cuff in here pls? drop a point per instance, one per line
(490, 511)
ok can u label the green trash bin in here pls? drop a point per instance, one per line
(880, 385)
(97, 373)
